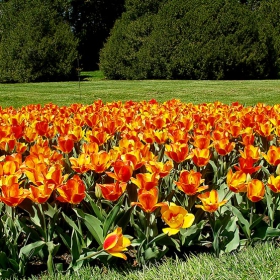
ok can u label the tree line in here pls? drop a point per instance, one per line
(47, 40)
(44, 40)
(195, 39)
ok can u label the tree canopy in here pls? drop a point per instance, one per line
(42, 40)
(35, 42)
(194, 39)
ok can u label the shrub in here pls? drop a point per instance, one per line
(35, 43)
(195, 39)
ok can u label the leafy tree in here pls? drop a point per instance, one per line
(91, 22)
(36, 44)
(123, 55)
(194, 39)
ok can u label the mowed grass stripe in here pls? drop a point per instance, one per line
(85, 92)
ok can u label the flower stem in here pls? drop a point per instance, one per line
(90, 256)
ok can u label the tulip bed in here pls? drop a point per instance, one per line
(135, 179)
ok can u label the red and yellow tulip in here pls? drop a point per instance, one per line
(115, 243)
(176, 217)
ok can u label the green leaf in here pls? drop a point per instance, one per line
(14, 264)
(154, 253)
(260, 232)
(256, 220)
(241, 220)
(139, 232)
(31, 249)
(6, 273)
(75, 247)
(64, 237)
(51, 211)
(272, 232)
(190, 235)
(94, 226)
(234, 243)
(3, 260)
(37, 218)
(52, 249)
(95, 208)
(125, 218)
(112, 216)
(169, 242)
(154, 240)
(72, 224)
(232, 233)
(216, 242)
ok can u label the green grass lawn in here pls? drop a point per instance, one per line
(260, 262)
(93, 86)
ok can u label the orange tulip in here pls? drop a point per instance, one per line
(73, 191)
(251, 152)
(115, 243)
(54, 175)
(128, 145)
(76, 133)
(224, 146)
(272, 156)
(248, 137)
(112, 191)
(200, 157)
(237, 182)
(36, 173)
(160, 168)
(80, 164)
(255, 190)
(146, 181)
(98, 136)
(148, 200)
(100, 161)
(189, 182)
(178, 136)
(65, 144)
(122, 171)
(92, 119)
(41, 147)
(202, 141)
(274, 183)
(246, 165)
(210, 201)
(42, 127)
(161, 136)
(9, 167)
(265, 130)
(12, 194)
(219, 134)
(40, 194)
(90, 148)
(177, 152)
(235, 129)
(30, 134)
(135, 157)
(176, 217)
(111, 126)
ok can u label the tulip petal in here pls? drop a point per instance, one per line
(170, 231)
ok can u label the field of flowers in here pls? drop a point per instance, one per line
(134, 180)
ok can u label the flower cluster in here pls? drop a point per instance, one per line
(166, 161)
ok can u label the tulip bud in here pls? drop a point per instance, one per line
(97, 191)
(278, 169)
(248, 179)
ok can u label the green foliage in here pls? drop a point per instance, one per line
(35, 43)
(195, 39)
(91, 22)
